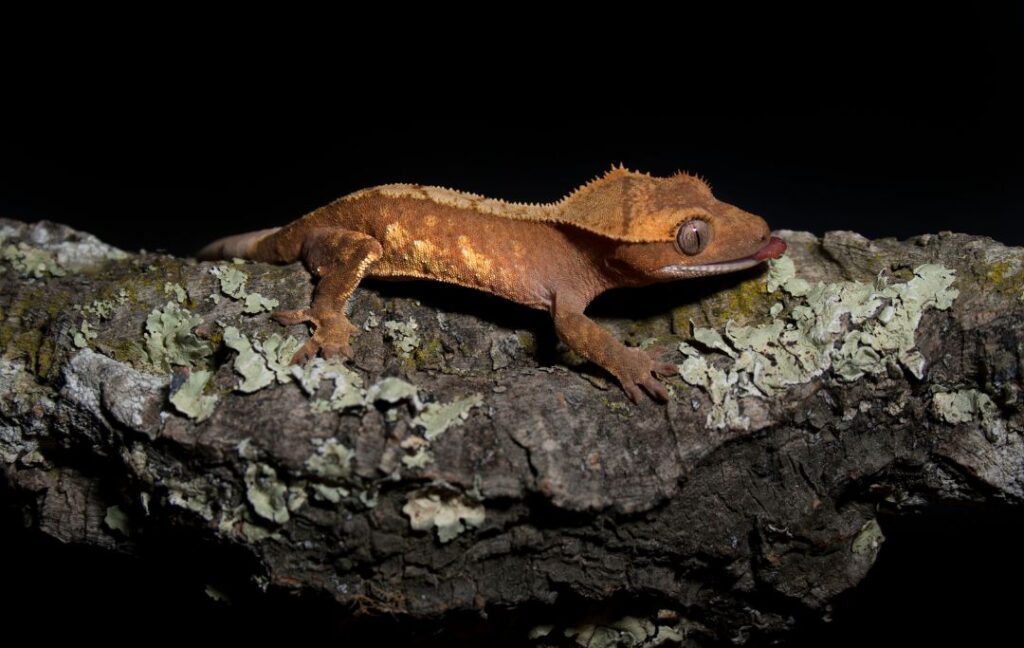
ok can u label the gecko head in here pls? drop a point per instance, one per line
(696, 234)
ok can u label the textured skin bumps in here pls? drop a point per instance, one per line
(619, 230)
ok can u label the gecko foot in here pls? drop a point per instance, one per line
(639, 372)
(330, 338)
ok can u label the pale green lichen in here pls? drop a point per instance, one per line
(782, 274)
(117, 520)
(539, 631)
(249, 364)
(869, 539)
(232, 281)
(331, 461)
(104, 308)
(216, 595)
(476, 493)
(421, 452)
(626, 631)
(239, 521)
(296, 496)
(84, 335)
(190, 400)
(279, 351)
(257, 303)
(449, 516)
(267, 495)
(261, 363)
(232, 284)
(177, 290)
(33, 458)
(688, 350)
(29, 261)
(193, 495)
(348, 384)
(170, 340)
(246, 449)
(698, 372)
(956, 407)
(393, 390)
(713, 340)
(332, 494)
(761, 360)
(368, 498)
(666, 635)
(438, 417)
(637, 629)
(962, 406)
(320, 406)
(589, 635)
(137, 459)
(403, 335)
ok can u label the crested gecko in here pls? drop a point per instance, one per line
(622, 229)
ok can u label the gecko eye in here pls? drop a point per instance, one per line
(693, 236)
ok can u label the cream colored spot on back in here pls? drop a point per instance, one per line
(424, 255)
(477, 263)
(396, 236)
(423, 250)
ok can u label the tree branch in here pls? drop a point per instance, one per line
(464, 462)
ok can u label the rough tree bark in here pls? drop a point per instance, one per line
(495, 472)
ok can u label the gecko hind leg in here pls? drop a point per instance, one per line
(339, 258)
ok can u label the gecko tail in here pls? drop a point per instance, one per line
(241, 246)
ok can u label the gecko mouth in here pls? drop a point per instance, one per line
(773, 249)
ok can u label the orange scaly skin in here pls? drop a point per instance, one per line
(623, 229)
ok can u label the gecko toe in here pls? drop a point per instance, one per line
(665, 368)
(658, 365)
(292, 317)
(633, 392)
(305, 353)
(656, 390)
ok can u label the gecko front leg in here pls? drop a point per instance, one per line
(339, 258)
(634, 368)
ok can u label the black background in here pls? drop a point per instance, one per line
(891, 123)
(886, 122)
